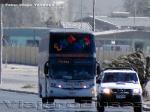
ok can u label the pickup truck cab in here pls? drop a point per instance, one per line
(119, 87)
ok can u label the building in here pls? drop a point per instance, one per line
(78, 9)
(27, 36)
(103, 23)
(21, 44)
(30, 36)
(78, 25)
(111, 44)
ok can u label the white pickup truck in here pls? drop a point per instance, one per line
(119, 87)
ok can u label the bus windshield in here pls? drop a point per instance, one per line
(71, 72)
(71, 43)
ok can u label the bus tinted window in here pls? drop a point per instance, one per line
(79, 72)
(71, 43)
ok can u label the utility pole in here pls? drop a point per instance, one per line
(81, 13)
(135, 6)
(1, 40)
(94, 1)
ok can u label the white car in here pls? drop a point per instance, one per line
(119, 87)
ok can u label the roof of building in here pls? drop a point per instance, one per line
(112, 32)
(78, 25)
(126, 21)
(69, 30)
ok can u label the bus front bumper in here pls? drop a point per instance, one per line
(71, 93)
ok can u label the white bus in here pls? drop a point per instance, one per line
(67, 66)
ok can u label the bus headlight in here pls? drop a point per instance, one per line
(83, 85)
(60, 86)
(107, 91)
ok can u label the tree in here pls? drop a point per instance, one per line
(17, 16)
(137, 7)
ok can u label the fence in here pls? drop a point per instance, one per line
(29, 55)
(20, 55)
(109, 55)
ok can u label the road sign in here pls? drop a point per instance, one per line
(10, 1)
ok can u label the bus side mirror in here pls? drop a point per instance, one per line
(46, 66)
(98, 80)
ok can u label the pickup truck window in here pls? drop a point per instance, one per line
(120, 77)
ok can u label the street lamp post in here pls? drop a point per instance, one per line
(1, 38)
(135, 6)
(94, 1)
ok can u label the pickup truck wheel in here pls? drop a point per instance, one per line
(100, 107)
(138, 109)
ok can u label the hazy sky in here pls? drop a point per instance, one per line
(73, 9)
(105, 7)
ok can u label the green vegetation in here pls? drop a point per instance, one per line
(138, 62)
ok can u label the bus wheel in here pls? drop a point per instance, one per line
(50, 100)
(44, 100)
(100, 107)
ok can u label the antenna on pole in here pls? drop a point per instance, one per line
(135, 5)
(1, 39)
(94, 1)
(81, 13)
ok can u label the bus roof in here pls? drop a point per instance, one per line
(69, 30)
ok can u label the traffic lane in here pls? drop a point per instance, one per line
(18, 102)
(19, 78)
(21, 102)
(88, 109)
(17, 81)
(71, 106)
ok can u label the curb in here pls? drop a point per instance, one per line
(18, 91)
(146, 108)
(145, 105)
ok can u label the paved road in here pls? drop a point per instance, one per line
(19, 79)
(20, 74)
(20, 102)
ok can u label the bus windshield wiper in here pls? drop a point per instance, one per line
(67, 77)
